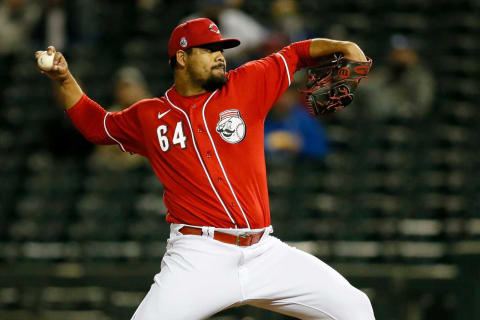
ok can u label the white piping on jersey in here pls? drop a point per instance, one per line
(200, 159)
(108, 133)
(218, 158)
(286, 67)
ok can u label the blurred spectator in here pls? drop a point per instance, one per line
(88, 23)
(287, 27)
(129, 87)
(404, 88)
(55, 26)
(291, 132)
(17, 19)
(288, 20)
(233, 23)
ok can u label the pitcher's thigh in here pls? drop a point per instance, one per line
(300, 285)
(195, 282)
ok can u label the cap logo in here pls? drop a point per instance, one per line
(183, 42)
(213, 27)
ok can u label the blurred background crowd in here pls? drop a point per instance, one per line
(386, 191)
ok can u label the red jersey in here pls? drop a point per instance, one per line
(208, 149)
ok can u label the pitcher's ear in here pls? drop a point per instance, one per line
(182, 57)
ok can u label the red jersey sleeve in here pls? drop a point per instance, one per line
(102, 127)
(269, 77)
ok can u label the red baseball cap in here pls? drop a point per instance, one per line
(195, 33)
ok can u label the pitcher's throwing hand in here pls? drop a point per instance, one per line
(58, 70)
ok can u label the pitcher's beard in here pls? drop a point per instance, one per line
(214, 82)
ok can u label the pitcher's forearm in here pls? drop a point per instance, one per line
(323, 47)
(69, 91)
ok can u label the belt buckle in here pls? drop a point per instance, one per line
(241, 235)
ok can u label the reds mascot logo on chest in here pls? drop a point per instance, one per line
(231, 126)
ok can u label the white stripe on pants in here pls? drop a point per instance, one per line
(200, 276)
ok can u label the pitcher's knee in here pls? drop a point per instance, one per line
(362, 307)
(358, 307)
(365, 307)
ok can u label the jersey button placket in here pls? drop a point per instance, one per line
(213, 167)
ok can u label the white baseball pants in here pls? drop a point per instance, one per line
(201, 276)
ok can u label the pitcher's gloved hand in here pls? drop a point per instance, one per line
(331, 86)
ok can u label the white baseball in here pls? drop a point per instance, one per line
(45, 61)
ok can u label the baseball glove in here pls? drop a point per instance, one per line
(331, 86)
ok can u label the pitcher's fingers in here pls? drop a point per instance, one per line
(59, 68)
(38, 53)
(51, 49)
(57, 58)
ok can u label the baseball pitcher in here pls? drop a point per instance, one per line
(204, 139)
